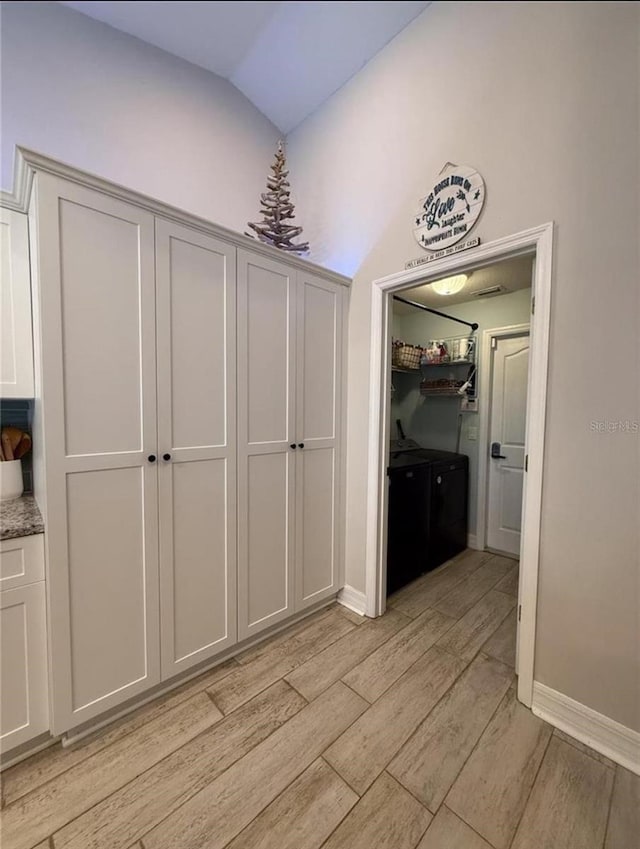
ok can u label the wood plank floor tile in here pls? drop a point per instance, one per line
(509, 584)
(569, 802)
(469, 633)
(257, 674)
(387, 817)
(447, 831)
(351, 615)
(141, 804)
(221, 810)
(624, 818)
(323, 669)
(429, 762)
(465, 594)
(424, 593)
(304, 815)
(280, 639)
(47, 808)
(43, 766)
(491, 791)
(383, 667)
(365, 749)
(502, 643)
(582, 747)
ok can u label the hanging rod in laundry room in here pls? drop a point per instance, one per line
(471, 324)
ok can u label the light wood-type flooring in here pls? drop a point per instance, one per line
(402, 732)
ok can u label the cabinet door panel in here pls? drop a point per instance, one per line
(23, 663)
(16, 336)
(196, 294)
(200, 574)
(266, 418)
(318, 521)
(96, 299)
(268, 536)
(318, 410)
(105, 511)
(101, 314)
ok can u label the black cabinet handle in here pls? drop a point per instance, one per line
(293, 446)
(301, 445)
(495, 452)
(151, 458)
(166, 457)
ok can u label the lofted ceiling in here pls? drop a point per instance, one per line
(510, 274)
(286, 57)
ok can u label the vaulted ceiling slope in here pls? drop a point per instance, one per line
(286, 57)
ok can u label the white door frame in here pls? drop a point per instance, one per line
(538, 242)
(484, 394)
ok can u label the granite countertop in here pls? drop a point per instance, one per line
(20, 517)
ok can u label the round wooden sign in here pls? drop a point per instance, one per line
(450, 209)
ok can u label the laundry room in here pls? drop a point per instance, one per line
(458, 405)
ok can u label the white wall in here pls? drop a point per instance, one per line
(543, 99)
(82, 92)
(433, 421)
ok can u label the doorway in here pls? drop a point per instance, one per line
(536, 243)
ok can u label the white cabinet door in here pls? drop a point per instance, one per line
(318, 425)
(196, 306)
(266, 462)
(24, 709)
(97, 304)
(16, 336)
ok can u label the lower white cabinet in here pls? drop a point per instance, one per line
(24, 699)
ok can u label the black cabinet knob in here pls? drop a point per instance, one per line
(151, 458)
(301, 445)
(166, 457)
(293, 445)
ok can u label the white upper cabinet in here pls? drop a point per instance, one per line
(16, 336)
(196, 306)
(266, 440)
(98, 337)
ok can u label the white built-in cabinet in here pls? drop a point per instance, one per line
(24, 700)
(180, 379)
(16, 340)
(289, 362)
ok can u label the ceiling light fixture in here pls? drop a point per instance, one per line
(450, 285)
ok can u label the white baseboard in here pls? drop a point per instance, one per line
(353, 599)
(610, 738)
(472, 542)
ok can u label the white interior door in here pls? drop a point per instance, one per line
(509, 370)
(196, 310)
(266, 436)
(97, 305)
(318, 422)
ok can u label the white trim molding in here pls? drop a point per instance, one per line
(610, 738)
(28, 162)
(538, 242)
(472, 542)
(353, 599)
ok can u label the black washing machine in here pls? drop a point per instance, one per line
(428, 510)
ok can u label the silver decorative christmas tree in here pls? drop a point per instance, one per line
(277, 209)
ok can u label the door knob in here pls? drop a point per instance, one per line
(495, 452)
(293, 446)
(301, 445)
(166, 457)
(151, 458)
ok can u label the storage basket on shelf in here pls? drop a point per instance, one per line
(405, 356)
